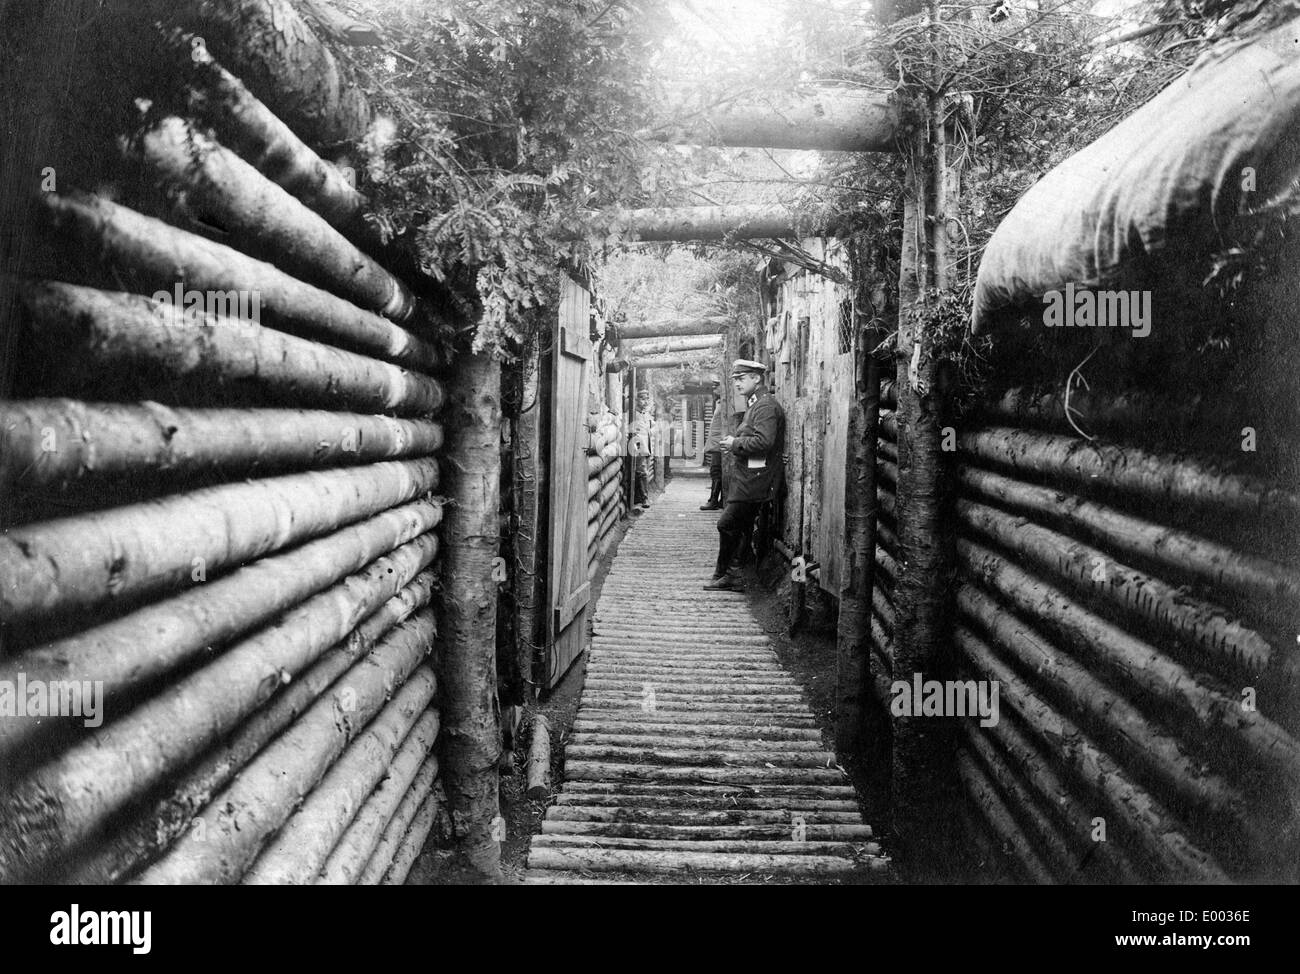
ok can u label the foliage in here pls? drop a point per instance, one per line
(511, 123)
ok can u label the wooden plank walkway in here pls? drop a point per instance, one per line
(693, 752)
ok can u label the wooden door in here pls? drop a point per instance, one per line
(566, 557)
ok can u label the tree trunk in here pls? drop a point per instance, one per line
(471, 738)
(664, 329)
(266, 792)
(395, 831)
(738, 222)
(539, 758)
(676, 361)
(103, 440)
(155, 827)
(107, 244)
(271, 48)
(62, 802)
(646, 348)
(414, 769)
(108, 333)
(85, 560)
(157, 639)
(215, 193)
(835, 119)
(1211, 706)
(302, 845)
(1181, 778)
(854, 630)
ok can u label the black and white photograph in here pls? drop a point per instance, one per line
(651, 442)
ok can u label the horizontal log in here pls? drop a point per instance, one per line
(702, 743)
(115, 332)
(156, 826)
(694, 757)
(62, 802)
(106, 242)
(1014, 844)
(1203, 626)
(631, 812)
(825, 118)
(1162, 758)
(738, 222)
(712, 325)
(395, 832)
(680, 361)
(358, 844)
(635, 349)
(47, 442)
(812, 832)
(787, 847)
(1276, 587)
(1054, 851)
(686, 789)
(87, 559)
(1161, 478)
(216, 194)
(1140, 816)
(412, 843)
(1214, 709)
(242, 122)
(1124, 412)
(300, 848)
(265, 793)
(605, 771)
(269, 45)
(1073, 817)
(618, 860)
(142, 646)
(586, 724)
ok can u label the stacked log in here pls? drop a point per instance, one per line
(1127, 749)
(247, 584)
(604, 469)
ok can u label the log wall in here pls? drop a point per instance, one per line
(606, 448)
(227, 521)
(1143, 640)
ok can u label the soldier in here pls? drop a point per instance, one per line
(758, 471)
(713, 452)
(641, 446)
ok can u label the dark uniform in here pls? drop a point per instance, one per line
(757, 473)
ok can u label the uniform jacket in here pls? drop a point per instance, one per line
(716, 423)
(758, 473)
(641, 440)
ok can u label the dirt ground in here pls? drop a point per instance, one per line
(809, 655)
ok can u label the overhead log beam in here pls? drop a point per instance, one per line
(669, 362)
(835, 119)
(672, 345)
(741, 222)
(713, 325)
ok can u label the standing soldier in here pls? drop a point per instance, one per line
(642, 448)
(758, 471)
(713, 452)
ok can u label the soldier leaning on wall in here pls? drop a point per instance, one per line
(641, 447)
(757, 473)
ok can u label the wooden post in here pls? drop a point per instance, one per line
(470, 741)
(539, 758)
(530, 475)
(854, 627)
(922, 768)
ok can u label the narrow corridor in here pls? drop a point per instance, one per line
(693, 749)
